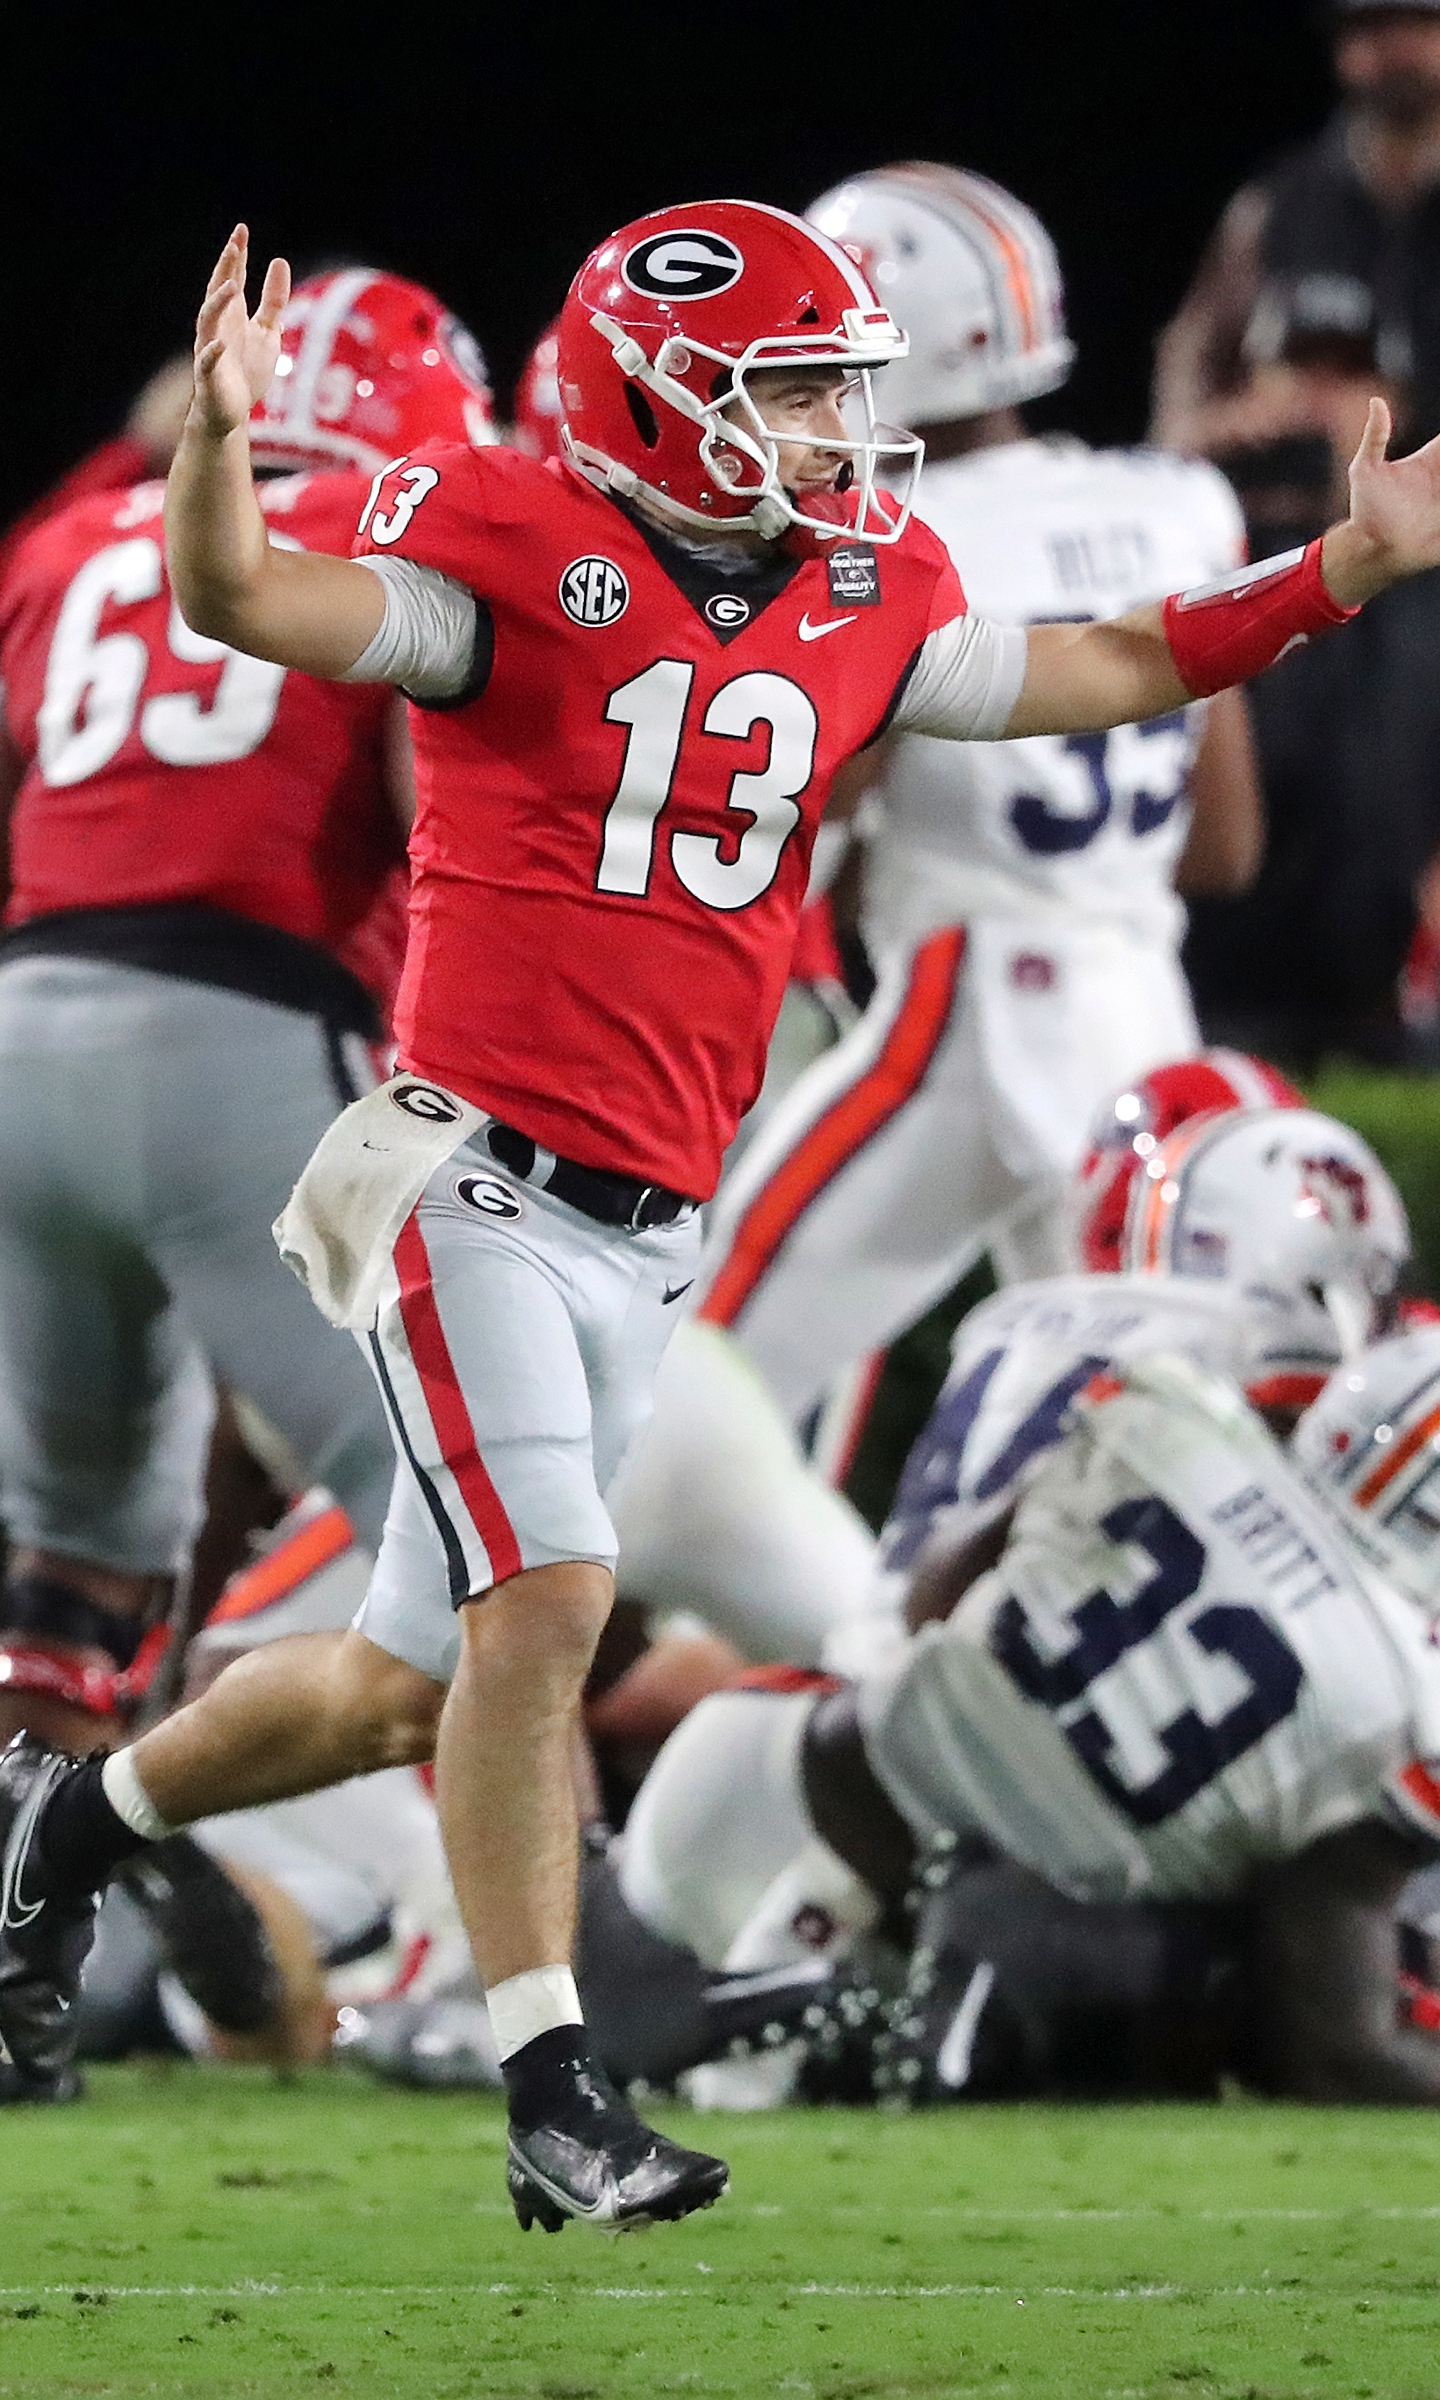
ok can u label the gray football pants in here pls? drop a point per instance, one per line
(150, 1130)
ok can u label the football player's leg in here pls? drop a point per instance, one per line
(289, 1718)
(716, 1510)
(870, 1192)
(719, 1816)
(1115, 1006)
(492, 1331)
(250, 1090)
(105, 1406)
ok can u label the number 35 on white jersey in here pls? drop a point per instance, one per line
(1093, 823)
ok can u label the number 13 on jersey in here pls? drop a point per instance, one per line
(654, 706)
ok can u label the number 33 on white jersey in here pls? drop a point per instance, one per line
(1176, 1672)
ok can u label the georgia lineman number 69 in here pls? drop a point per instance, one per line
(653, 705)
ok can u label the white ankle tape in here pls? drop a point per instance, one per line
(524, 2005)
(129, 1799)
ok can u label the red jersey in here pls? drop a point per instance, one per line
(612, 841)
(112, 468)
(163, 768)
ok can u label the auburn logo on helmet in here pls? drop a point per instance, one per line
(1338, 1190)
(689, 264)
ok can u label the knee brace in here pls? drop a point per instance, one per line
(41, 1623)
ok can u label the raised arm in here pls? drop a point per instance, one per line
(300, 608)
(1082, 678)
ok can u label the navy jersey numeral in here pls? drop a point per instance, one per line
(1050, 832)
(1106, 1630)
(934, 1470)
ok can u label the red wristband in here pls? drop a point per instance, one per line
(1223, 633)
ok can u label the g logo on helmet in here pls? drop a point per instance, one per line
(1334, 1189)
(422, 1100)
(593, 591)
(686, 265)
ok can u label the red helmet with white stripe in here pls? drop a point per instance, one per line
(1131, 1127)
(660, 336)
(1370, 1450)
(370, 365)
(539, 418)
(1291, 1211)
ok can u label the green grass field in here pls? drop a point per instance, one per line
(209, 2234)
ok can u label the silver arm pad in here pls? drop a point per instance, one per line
(426, 638)
(966, 682)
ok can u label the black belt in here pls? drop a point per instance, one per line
(611, 1199)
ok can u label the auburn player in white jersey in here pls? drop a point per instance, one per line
(1019, 898)
(1200, 1672)
(1313, 1235)
(1282, 1238)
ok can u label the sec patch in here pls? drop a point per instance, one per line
(594, 591)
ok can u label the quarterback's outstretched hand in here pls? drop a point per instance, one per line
(1393, 528)
(235, 353)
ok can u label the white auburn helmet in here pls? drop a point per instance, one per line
(1369, 1449)
(1293, 1211)
(970, 273)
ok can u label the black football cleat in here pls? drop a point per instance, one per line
(38, 2091)
(45, 1934)
(605, 2168)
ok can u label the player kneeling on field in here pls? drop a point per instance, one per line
(1196, 1681)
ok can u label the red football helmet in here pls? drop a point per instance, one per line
(1131, 1127)
(370, 366)
(660, 333)
(539, 418)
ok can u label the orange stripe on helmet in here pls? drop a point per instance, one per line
(1155, 1212)
(845, 1127)
(1368, 1492)
(1017, 271)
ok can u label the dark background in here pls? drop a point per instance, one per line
(486, 157)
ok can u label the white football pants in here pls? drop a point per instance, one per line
(948, 1122)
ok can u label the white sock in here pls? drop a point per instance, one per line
(120, 1782)
(531, 2003)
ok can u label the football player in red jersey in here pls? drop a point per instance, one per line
(204, 929)
(635, 672)
(538, 413)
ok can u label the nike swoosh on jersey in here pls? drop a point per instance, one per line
(816, 633)
(678, 1294)
(15, 1915)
